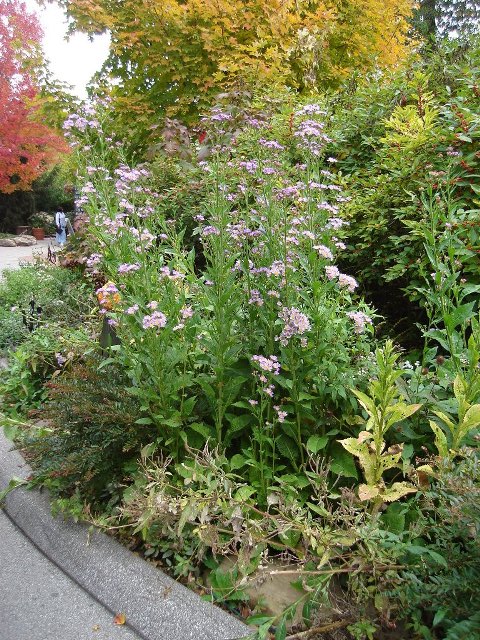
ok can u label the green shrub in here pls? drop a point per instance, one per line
(61, 294)
(445, 596)
(395, 135)
(12, 329)
(47, 350)
(92, 437)
(39, 295)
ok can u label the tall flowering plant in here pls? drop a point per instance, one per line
(253, 341)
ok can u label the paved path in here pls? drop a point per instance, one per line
(12, 257)
(52, 607)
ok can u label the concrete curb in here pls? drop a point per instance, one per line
(156, 607)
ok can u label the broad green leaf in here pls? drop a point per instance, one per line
(281, 632)
(367, 403)
(203, 429)
(444, 418)
(237, 462)
(387, 461)
(321, 511)
(148, 450)
(394, 518)
(316, 443)
(439, 616)
(459, 316)
(243, 493)
(401, 411)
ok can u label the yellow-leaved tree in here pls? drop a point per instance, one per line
(169, 57)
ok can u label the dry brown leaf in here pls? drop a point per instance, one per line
(120, 618)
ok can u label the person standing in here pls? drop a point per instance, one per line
(60, 227)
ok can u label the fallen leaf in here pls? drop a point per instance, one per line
(120, 618)
(96, 627)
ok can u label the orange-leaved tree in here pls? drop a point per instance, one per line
(28, 147)
(169, 57)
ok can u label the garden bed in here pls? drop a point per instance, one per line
(215, 389)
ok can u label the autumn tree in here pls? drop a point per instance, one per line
(27, 145)
(169, 57)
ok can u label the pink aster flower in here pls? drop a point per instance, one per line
(156, 320)
(332, 272)
(347, 282)
(360, 320)
(296, 323)
(270, 364)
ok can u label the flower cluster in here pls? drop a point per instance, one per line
(128, 268)
(296, 323)
(271, 364)
(360, 320)
(311, 137)
(108, 296)
(156, 320)
(76, 121)
(344, 281)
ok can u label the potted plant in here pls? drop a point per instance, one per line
(40, 222)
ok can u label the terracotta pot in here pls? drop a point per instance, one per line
(38, 233)
(21, 231)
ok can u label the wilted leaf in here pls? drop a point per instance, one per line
(366, 492)
(397, 491)
(120, 618)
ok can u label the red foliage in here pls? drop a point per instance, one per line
(27, 146)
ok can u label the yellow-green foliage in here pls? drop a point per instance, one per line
(175, 54)
(385, 408)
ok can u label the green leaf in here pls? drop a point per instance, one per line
(259, 619)
(188, 513)
(471, 419)
(144, 421)
(321, 511)
(316, 443)
(342, 463)
(361, 450)
(439, 616)
(13, 484)
(394, 518)
(397, 491)
(237, 461)
(188, 406)
(459, 316)
(444, 418)
(288, 448)
(148, 450)
(243, 493)
(293, 480)
(281, 632)
(367, 403)
(10, 431)
(202, 428)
